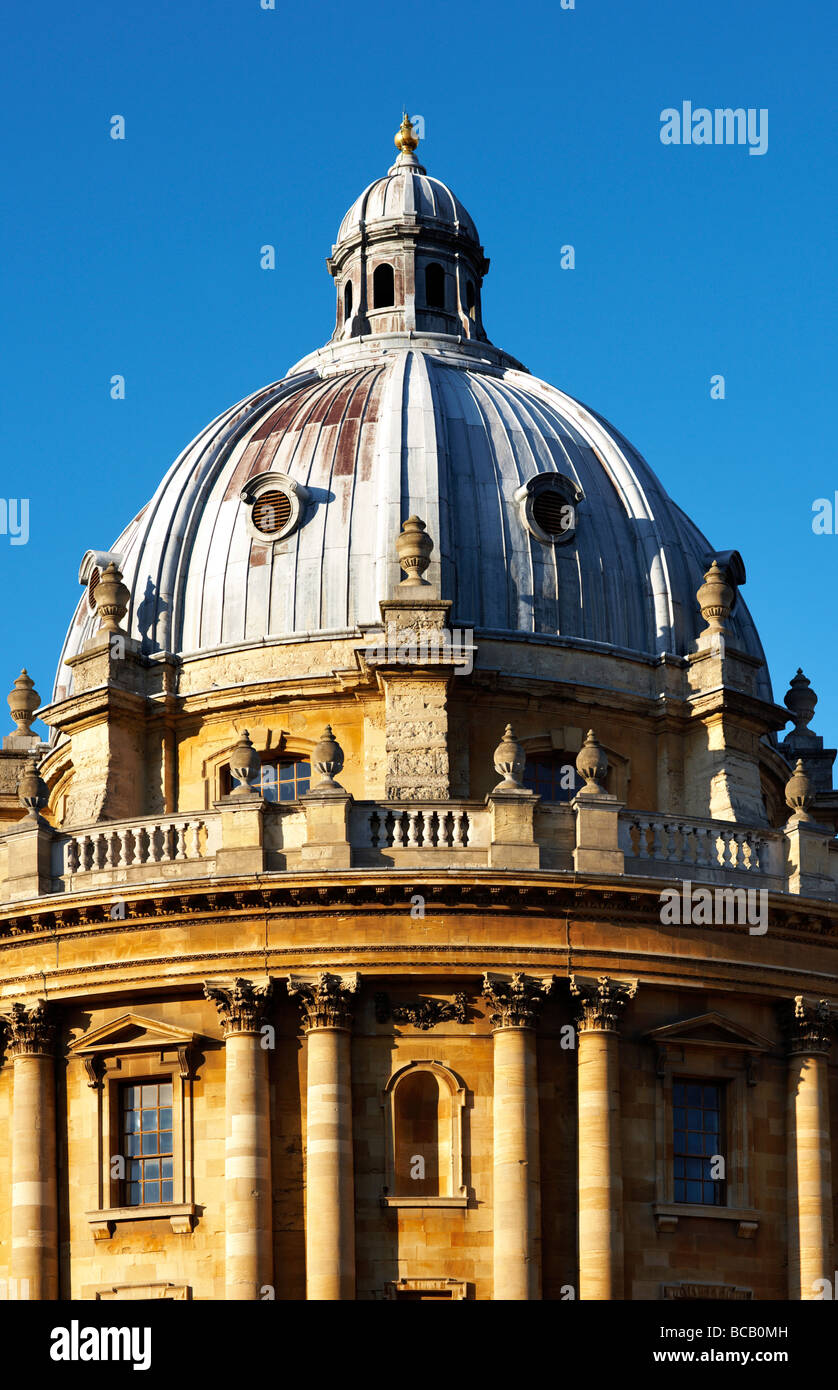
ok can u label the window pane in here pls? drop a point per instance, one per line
(680, 1141)
(287, 791)
(678, 1092)
(150, 1143)
(166, 1142)
(693, 1120)
(694, 1168)
(166, 1119)
(151, 1192)
(680, 1191)
(150, 1095)
(152, 1170)
(693, 1191)
(694, 1143)
(168, 1168)
(166, 1093)
(134, 1170)
(132, 1097)
(679, 1167)
(132, 1144)
(149, 1119)
(711, 1097)
(680, 1122)
(132, 1121)
(693, 1095)
(133, 1194)
(167, 1192)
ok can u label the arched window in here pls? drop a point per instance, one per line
(470, 299)
(419, 1109)
(434, 286)
(552, 776)
(424, 1106)
(383, 287)
(347, 301)
(284, 779)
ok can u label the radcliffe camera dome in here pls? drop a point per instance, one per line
(278, 519)
(414, 815)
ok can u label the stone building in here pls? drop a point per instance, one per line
(417, 897)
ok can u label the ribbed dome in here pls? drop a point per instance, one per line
(377, 430)
(407, 192)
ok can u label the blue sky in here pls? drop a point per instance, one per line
(247, 126)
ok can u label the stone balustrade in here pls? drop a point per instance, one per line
(330, 833)
(130, 851)
(433, 828)
(712, 850)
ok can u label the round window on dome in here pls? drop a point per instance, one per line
(271, 512)
(548, 506)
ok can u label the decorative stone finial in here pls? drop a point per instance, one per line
(327, 758)
(715, 598)
(413, 548)
(800, 699)
(799, 792)
(111, 598)
(510, 759)
(245, 765)
(592, 764)
(31, 789)
(23, 701)
(405, 141)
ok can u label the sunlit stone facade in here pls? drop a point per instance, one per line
(340, 952)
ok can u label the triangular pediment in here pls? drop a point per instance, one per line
(131, 1031)
(711, 1030)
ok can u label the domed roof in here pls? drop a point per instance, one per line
(364, 433)
(407, 191)
(374, 435)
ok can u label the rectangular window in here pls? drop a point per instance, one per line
(698, 1138)
(147, 1143)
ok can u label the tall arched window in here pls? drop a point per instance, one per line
(434, 286)
(419, 1109)
(470, 299)
(424, 1108)
(383, 287)
(347, 301)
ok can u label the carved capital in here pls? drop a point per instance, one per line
(601, 1002)
(241, 1006)
(516, 1001)
(326, 999)
(807, 1025)
(31, 1029)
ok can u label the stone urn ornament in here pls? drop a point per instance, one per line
(111, 598)
(23, 702)
(510, 760)
(800, 700)
(715, 598)
(327, 758)
(592, 764)
(413, 548)
(799, 792)
(245, 766)
(32, 790)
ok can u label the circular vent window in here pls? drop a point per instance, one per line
(271, 512)
(553, 513)
(92, 585)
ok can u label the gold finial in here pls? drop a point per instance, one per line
(405, 140)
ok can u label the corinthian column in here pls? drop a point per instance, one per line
(808, 1164)
(247, 1199)
(330, 1181)
(600, 1159)
(515, 1004)
(34, 1262)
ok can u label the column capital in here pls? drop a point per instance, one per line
(326, 999)
(241, 1004)
(807, 1025)
(601, 1002)
(31, 1029)
(516, 1001)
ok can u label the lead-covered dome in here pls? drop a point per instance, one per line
(279, 519)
